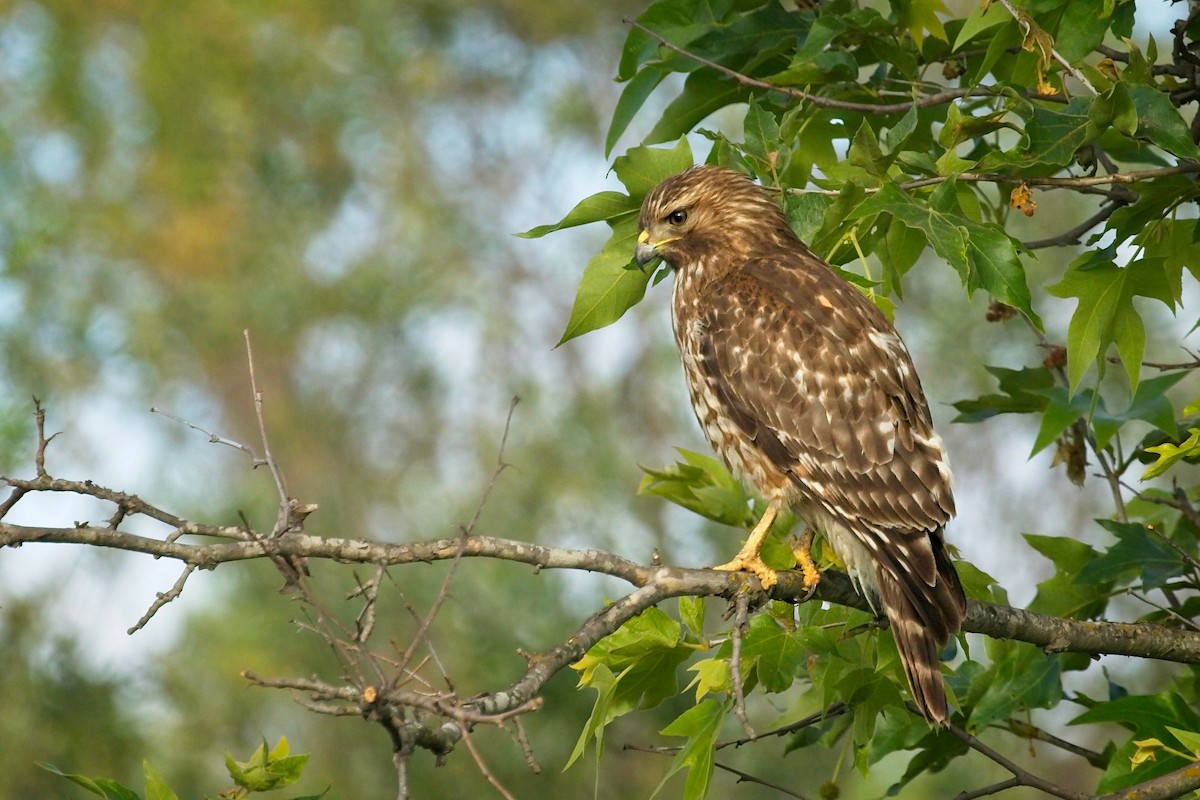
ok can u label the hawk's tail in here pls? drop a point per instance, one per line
(923, 616)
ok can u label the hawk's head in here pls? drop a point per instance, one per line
(706, 210)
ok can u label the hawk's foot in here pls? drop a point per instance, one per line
(802, 550)
(748, 558)
(753, 563)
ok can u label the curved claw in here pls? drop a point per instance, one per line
(802, 550)
(754, 565)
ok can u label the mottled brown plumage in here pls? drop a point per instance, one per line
(808, 394)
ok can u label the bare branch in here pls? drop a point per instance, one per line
(1143, 639)
(1022, 776)
(255, 459)
(741, 621)
(162, 599)
(444, 591)
(1027, 731)
(262, 432)
(745, 777)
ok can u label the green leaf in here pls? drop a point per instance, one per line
(1137, 553)
(1105, 313)
(704, 92)
(1025, 678)
(762, 138)
(1054, 136)
(712, 675)
(1170, 454)
(633, 97)
(1189, 739)
(984, 256)
(1026, 391)
(608, 287)
(633, 668)
(604, 683)
(156, 787)
(996, 268)
(1060, 595)
(700, 484)
(898, 251)
(600, 207)
(1080, 31)
(700, 724)
(1148, 716)
(1160, 121)
(266, 770)
(1149, 404)
(978, 21)
(691, 614)
(829, 66)
(108, 789)
(948, 238)
(1061, 413)
(643, 168)
(775, 653)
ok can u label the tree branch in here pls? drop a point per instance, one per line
(655, 584)
(938, 98)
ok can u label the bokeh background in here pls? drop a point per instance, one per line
(342, 179)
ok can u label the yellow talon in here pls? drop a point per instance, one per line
(748, 558)
(802, 550)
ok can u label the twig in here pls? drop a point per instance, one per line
(1073, 235)
(526, 748)
(1079, 76)
(482, 767)
(745, 777)
(740, 622)
(1170, 612)
(444, 591)
(266, 444)
(835, 710)
(255, 459)
(1077, 183)
(39, 455)
(1028, 731)
(162, 599)
(987, 791)
(1023, 776)
(820, 101)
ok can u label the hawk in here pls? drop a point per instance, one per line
(810, 397)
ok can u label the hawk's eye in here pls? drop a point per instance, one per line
(677, 217)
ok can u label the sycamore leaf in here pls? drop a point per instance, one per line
(712, 675)
(1105, 313)
(1160, 121)
(1170, 454)
(984, 256)
(700, 724)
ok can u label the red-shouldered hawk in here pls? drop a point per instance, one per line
(808, 394)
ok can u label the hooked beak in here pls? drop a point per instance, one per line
(645, 251)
